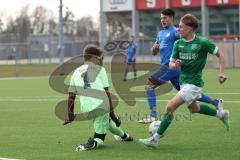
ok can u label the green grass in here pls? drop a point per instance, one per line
(30, 130)
(26, 70)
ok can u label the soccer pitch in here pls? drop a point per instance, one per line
(30, 130)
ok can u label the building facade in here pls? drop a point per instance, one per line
(219, 19)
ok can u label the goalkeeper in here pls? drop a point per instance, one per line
(92, 76)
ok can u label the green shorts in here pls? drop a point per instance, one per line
(101, 124)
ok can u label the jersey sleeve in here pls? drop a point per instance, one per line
(104, 78)
(209, 46)
(176, 34)
(157, 39)
(175, 53)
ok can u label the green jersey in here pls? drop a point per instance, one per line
(193, 56)
(86, 81)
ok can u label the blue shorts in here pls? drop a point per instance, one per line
(130, 61)
(164, 74)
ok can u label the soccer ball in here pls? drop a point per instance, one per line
(153, 127)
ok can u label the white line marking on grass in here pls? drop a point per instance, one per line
(166, 100)
(30, 100)
(57, 97)
(32, 97)
(226, 93)
(1, 158)
(20, 78)
(35, 99)
(173, 94)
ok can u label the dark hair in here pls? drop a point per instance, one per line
(190, 20)
(168, 12)
(92, 50)
(132, 37)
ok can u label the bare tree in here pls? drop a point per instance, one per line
(40, 19)
(23, 24)
(69, 22)
(86, 28)
(17, 29)
(11, 26)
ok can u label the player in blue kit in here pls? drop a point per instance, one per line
(164, 45)
(131, 58)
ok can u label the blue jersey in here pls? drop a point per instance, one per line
(166, 38)
(131, 51)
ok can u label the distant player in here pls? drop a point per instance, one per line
(131, 58)
(92, 76)
(164, 44)
(190, 52)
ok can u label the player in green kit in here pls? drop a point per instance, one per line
(190, 53)
(88, 79)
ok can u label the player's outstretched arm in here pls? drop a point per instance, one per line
(71, 116)
(221, 77)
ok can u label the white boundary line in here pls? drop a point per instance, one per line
(225, 93)
(1, 158)
(167, 100)
(65, 95)
(20, 78)
(27, 99)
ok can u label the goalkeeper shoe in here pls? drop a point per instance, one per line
(225, 118)
(90, 144)
(127, 138)
(149, 142)
(147, 120)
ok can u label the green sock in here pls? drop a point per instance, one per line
(99, 142)
(166, 121)
(115, 130)
(205, 109)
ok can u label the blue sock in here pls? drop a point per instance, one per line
(205, 98)
(153, 114)
(215, 102)
(151, 97)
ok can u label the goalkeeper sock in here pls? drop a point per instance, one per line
(205, 109)
(115, 130)
(166, 121)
